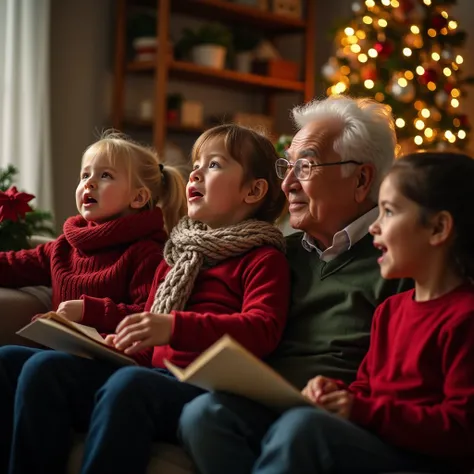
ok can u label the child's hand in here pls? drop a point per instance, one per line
(110, 339)
(71, 310)
(338, 402)
(318, 386)
(38, 316)
(139, 331)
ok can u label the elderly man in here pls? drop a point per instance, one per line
(332, 172)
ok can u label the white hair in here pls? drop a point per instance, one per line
(368, 131)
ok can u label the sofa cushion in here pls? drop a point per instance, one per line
(165, 459)
(17, 307)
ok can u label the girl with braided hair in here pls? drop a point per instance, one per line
(224, 272)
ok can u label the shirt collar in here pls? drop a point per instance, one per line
(344, 239)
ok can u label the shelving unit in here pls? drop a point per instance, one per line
(164, 68)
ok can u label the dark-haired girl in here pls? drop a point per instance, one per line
(411, 407)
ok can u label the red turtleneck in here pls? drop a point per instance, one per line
(113, 263)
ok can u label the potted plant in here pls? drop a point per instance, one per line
(19, 221)
(207, 45)
(141, 34)
(244, 42)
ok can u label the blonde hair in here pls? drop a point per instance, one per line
(164, 183)
(257, 155)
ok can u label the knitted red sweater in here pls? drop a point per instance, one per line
(246, 297)
(113, 263)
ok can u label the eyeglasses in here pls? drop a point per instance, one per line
(303, 167)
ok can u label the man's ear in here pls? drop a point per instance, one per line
(257, 191)
(365, 178)
(142, 196)
(442, 227)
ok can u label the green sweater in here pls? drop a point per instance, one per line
(332, 305)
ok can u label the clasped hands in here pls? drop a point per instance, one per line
(325, 393)
(139, 331)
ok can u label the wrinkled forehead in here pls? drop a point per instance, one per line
(315, 138)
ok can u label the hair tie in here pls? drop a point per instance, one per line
(161, 167)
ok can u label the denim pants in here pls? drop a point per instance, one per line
(231, 435)
(53, 394)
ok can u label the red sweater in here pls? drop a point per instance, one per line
(112, 263)
(415, 387)
(246, 297)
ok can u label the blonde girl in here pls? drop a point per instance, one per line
(101, 268)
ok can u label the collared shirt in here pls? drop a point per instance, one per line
(344, 239)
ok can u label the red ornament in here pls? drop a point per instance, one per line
(430, 75)
(464, 120)
(439, 22)
(385, 49)
(448, 87)
(369, 73)
(406, 6)
(14, 205)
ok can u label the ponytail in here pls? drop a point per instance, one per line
(166, 185)
(172, 196)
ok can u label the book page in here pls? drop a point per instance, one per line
(86, 330)
(61, 337)
(228, 366)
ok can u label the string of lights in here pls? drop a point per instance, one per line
(405, 53)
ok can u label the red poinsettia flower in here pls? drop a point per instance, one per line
(14, 205)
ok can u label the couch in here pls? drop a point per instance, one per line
(17, 308)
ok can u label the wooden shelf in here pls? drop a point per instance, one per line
(223, 77)
(186, 70)
(233, 12)
(136, 123)
(140, 66)
(164, 68)
(178, 128)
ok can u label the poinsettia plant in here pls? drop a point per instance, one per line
(18, 219)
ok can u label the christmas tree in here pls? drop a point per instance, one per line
(405, 53)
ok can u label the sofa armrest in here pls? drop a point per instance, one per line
(17, 307)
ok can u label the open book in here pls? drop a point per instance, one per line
(55, 331)
(229, 367)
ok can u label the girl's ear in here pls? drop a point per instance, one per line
(257, 191)
(141, 198)
(442, 227)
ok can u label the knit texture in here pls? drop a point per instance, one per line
(192, 245)
(332, 304)
(113, 263)
(415, 387)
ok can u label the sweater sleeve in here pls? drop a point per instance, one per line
(105, 314)
(258, 327)
(145, 356)
(444, 429)
(26, 267)
(361, 384)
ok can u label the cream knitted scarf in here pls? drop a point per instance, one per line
(192, 246)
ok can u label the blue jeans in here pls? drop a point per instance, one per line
(231, 435)
(55, 394)
(134, 408)
(51, 395)
(12, 359)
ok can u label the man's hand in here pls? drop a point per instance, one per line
(338, 402)
(139, 331)
(318, 386)
(71, 310)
